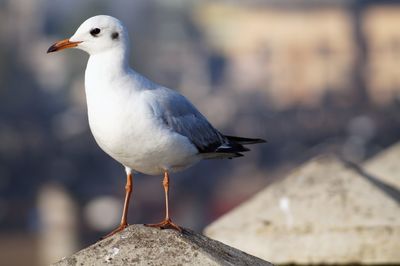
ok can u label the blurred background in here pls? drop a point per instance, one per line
(309, 76)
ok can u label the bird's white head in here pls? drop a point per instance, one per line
(96, 35)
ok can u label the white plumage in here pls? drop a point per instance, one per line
(146, 127)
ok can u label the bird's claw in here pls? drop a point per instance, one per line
(120, 228)
(166, 224)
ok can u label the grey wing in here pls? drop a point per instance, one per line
(180, 116)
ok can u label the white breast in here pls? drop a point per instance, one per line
(125, 127)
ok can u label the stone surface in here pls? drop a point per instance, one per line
(140, 245)
(325, 212)
(386, 166)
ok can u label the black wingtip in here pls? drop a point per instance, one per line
(234, 149)
(245, 141)
(259, 141)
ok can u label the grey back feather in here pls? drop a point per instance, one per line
(180, 116)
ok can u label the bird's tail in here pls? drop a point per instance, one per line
(244, 141)
(233, 148)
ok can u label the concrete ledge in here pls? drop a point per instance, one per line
(324, 212)
(140, 245)
(385, 166)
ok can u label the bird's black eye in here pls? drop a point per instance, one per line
(94, 32)
(114, 35)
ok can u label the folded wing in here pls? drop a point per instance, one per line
(180, 116)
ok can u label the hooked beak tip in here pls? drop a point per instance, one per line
(52, 48)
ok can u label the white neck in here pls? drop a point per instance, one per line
(107, 65)
(110, 69)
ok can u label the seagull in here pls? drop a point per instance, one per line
(146, 127)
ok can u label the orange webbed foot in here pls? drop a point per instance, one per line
(166, 224)
(120, 228)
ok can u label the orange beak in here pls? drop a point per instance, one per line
(60, 45)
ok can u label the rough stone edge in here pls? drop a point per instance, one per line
(210, 248)
(225, 256)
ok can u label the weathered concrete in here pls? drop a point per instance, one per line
(386, 166)
(325, 212)
(140, 245)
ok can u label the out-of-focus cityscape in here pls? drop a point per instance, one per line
(310, 76)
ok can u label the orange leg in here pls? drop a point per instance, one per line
(167, 222)
(128, 192)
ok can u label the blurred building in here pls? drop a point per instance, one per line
(301, 52)
(382, 34)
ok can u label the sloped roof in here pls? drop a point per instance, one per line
(386, 166)
(323, 212)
